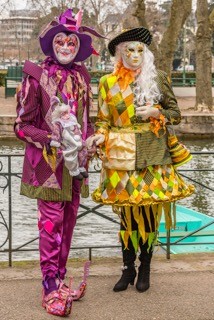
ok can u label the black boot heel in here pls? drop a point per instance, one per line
(128, 277)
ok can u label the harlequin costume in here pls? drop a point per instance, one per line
(45, 176)
(137, 178)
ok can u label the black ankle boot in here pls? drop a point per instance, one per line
(143, 280)
(128, 277)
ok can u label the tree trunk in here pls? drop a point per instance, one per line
(180, 10)
(204, 100)
(140, 15)
(164, 53)
(140, 12)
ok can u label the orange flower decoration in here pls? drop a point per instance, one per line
(157, 124)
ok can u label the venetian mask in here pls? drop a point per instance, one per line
(132, 54)
(66, 47)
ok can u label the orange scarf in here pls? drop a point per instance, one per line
(125, 76)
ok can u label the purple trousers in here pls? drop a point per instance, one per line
(56, 224)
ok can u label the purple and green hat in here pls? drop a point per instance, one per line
(69, 23)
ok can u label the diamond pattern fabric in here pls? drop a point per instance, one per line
(156, 181)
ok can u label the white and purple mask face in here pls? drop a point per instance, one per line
(66, 47)
(132, 54)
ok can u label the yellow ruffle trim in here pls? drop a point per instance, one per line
(97, 197)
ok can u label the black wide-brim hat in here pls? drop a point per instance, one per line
(140, 34)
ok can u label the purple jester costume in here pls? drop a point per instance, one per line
(45, 176)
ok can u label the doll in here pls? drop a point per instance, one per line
(67, 136)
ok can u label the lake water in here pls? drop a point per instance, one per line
(90, 229)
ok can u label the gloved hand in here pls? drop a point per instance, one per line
(91, 152)
(147, 111)
(55, 143)
(96, 139)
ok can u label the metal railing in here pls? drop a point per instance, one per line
(8, 175)
(168, 243)
(182, 80)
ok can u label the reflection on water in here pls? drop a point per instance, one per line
(90, 229)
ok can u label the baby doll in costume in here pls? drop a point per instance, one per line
(66, 134)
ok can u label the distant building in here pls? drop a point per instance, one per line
(17, 29)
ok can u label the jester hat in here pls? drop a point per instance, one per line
(68, 23)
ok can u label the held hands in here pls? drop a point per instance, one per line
(96, 139)
(147, 111)
(92, 142)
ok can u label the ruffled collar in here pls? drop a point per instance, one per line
(125, 76)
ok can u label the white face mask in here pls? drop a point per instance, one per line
(65, 47)
(132, 54)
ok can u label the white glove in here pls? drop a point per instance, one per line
(98, 138)
(55, 143)
(147, 111)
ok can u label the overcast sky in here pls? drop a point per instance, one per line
(20, 4)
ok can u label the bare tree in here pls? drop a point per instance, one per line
(46, 6)
(5, 6)
(140, 12)
(164, 52)
(180, 10)
(101, 11)
(204, 100)
(96, 10)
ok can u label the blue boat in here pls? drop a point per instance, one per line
(194, 232)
